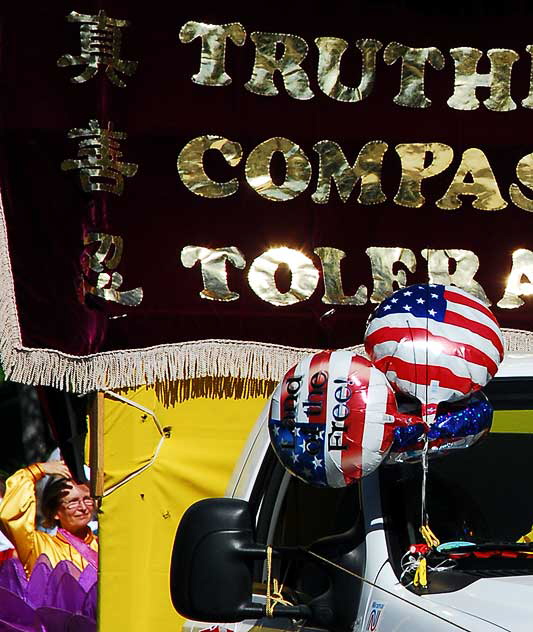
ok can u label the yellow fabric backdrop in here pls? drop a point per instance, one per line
(139, 519)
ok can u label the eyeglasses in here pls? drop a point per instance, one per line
(74, 504)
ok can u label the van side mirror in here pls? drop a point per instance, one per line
(212, 568)
(211, 573)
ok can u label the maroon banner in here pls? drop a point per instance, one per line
(211, 189)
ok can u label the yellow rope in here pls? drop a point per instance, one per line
(528, 537)
(429, 537)
(421, 575)
(269, 603)
(273, 588)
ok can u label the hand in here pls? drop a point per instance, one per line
(55, 468)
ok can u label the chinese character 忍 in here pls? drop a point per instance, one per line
(104, 260)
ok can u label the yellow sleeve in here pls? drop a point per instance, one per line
(17, 510)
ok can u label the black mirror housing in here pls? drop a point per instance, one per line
(211, 573)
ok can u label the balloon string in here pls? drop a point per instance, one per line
(426, 440)
(426, 532)
(414, 355)
(427, 344)
(423, 511)
(429, 537)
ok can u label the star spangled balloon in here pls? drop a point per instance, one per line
(434, 342)
(331, 418)
(459, 425)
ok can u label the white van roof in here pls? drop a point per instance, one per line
(516, 365)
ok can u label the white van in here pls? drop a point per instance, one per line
(342, 554)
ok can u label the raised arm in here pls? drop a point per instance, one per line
(18, 509)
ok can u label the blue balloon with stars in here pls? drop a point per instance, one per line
(457, 426)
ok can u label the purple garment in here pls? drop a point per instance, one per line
(60, 599)
(88, 578)
(13, 576)
(15, 612)
(35, 594)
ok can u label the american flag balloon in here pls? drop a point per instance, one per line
(331, 418)
(435, 342)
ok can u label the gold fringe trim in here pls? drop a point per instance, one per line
(169, 393)
(176, 391)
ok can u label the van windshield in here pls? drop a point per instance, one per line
(482, 494)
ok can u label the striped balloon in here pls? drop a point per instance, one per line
(331, 418)
(434, 342)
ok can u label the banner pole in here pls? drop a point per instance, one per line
(96, 450)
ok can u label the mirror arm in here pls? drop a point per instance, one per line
(255, 551)
(293, 612)
(258, 551)
(258, 611)
(292, 552)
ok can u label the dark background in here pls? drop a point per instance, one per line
(161, 109)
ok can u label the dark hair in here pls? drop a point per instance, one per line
(55, 490)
